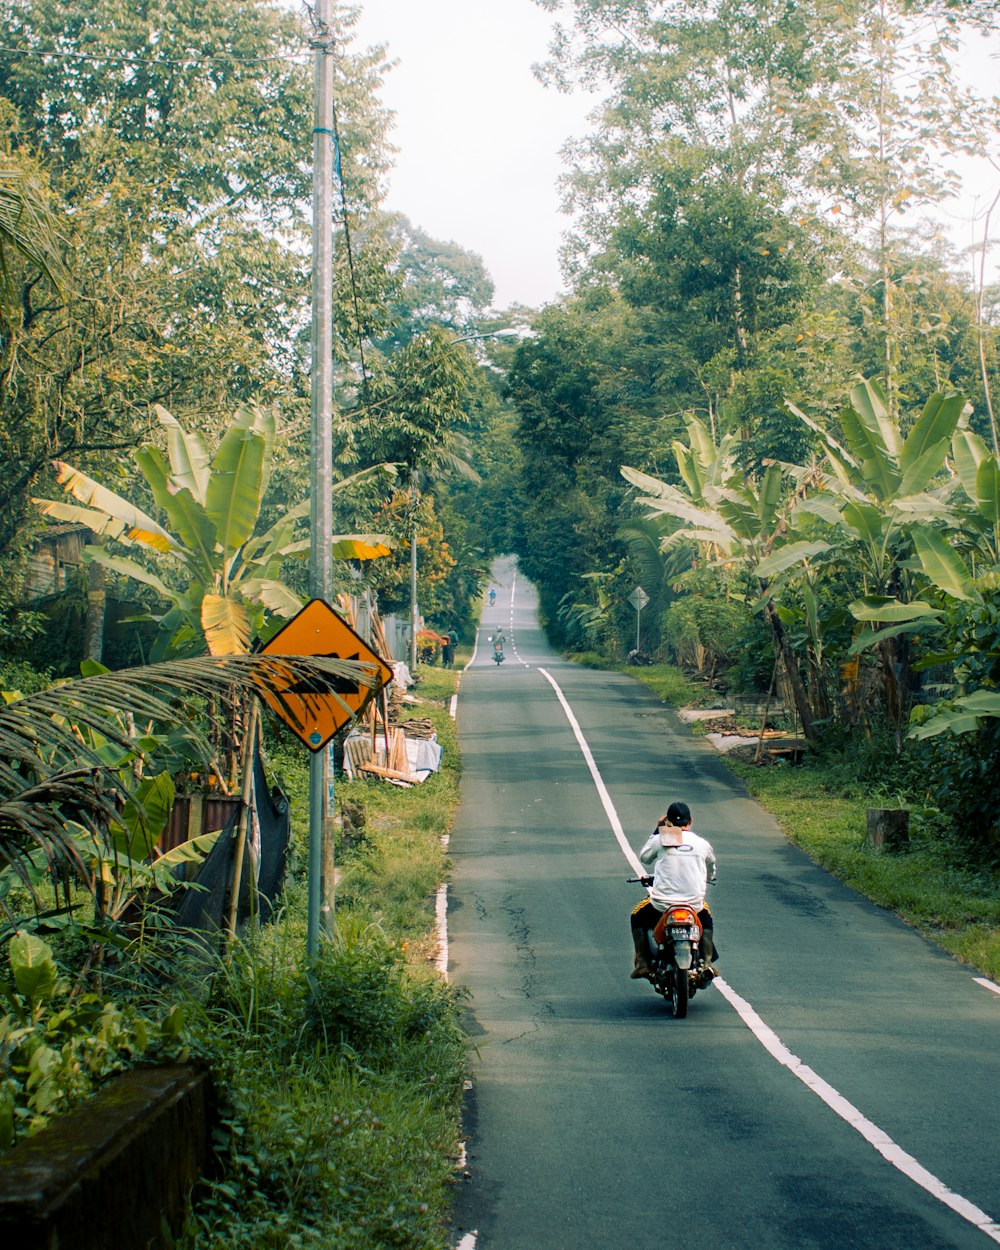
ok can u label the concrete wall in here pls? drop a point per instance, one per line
(111, 1172)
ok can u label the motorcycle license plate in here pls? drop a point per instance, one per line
(681, 931)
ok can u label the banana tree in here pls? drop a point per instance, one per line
(736, 520)
(962, 564)
(219, 575)
(875, 505)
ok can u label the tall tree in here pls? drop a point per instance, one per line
(438, 284)
(176, 139)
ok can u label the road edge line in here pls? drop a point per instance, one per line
(890, 1150)
(772, 1043)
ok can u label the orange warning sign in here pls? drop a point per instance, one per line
(316, 717)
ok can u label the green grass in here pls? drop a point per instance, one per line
(341, 1083)
(666, 680)
(954, 907)
(957, 908)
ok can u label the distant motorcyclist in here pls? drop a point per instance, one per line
(683, 864)
(498, 639)
(493, 596)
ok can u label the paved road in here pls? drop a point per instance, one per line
(595, 1120)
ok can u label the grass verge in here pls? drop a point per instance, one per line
(925, 886)
(341, 1083)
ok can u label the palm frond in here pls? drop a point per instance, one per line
(62, 750)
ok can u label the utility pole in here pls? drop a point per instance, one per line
(321, 514)
(414, 611)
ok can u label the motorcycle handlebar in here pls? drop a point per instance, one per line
(649, 880)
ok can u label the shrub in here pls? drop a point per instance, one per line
(56, 1046)
(704, 631)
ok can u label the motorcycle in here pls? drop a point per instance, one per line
(493, 597)
(498, 651)
(677, 967)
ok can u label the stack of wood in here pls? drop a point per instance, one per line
(423, 729)
(382, 756)
(378, 639)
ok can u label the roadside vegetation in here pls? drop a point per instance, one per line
(338, 1082)
(341, 1084)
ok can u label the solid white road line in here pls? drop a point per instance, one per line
(773, 1044)
(987, 984)
(602, 790)
(441, 921)
(882, 1142)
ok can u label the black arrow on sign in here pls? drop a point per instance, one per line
(324, 685)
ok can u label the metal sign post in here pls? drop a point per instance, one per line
(321, 517)
(638, 599)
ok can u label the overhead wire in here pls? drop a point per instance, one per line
(121, 58)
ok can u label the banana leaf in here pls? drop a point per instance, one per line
(942, 564)
(188, 454)
(891, 611)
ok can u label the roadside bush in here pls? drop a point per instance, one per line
(340, 1092)
(322, 1154)
(704, 632)
(867, 762)
(57, 1046)
(961, 772)
(363, 1000)
(341, 1083)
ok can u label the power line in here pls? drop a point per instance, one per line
(120, 58)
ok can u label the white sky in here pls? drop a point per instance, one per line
(478, 136)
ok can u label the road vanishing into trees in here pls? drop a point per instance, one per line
(838, 1087)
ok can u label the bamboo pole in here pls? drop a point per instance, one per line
(767, 708)
(245, 802)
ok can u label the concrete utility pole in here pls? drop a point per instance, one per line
(321, 515)
(414, 610)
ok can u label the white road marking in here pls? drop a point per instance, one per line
(987, 984)
(773, 1044)
(468, 1242)
(441, 920)
(882, 1142)
(602, 790)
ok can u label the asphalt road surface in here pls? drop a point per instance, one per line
(838, 1087)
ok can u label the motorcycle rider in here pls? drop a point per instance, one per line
(498, 639)
(683, 864)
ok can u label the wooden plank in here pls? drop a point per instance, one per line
(393, 773)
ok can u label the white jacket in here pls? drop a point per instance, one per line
(682, 867)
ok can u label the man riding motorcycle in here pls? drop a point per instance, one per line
(683, 864)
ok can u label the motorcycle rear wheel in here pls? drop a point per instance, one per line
(679, 996)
